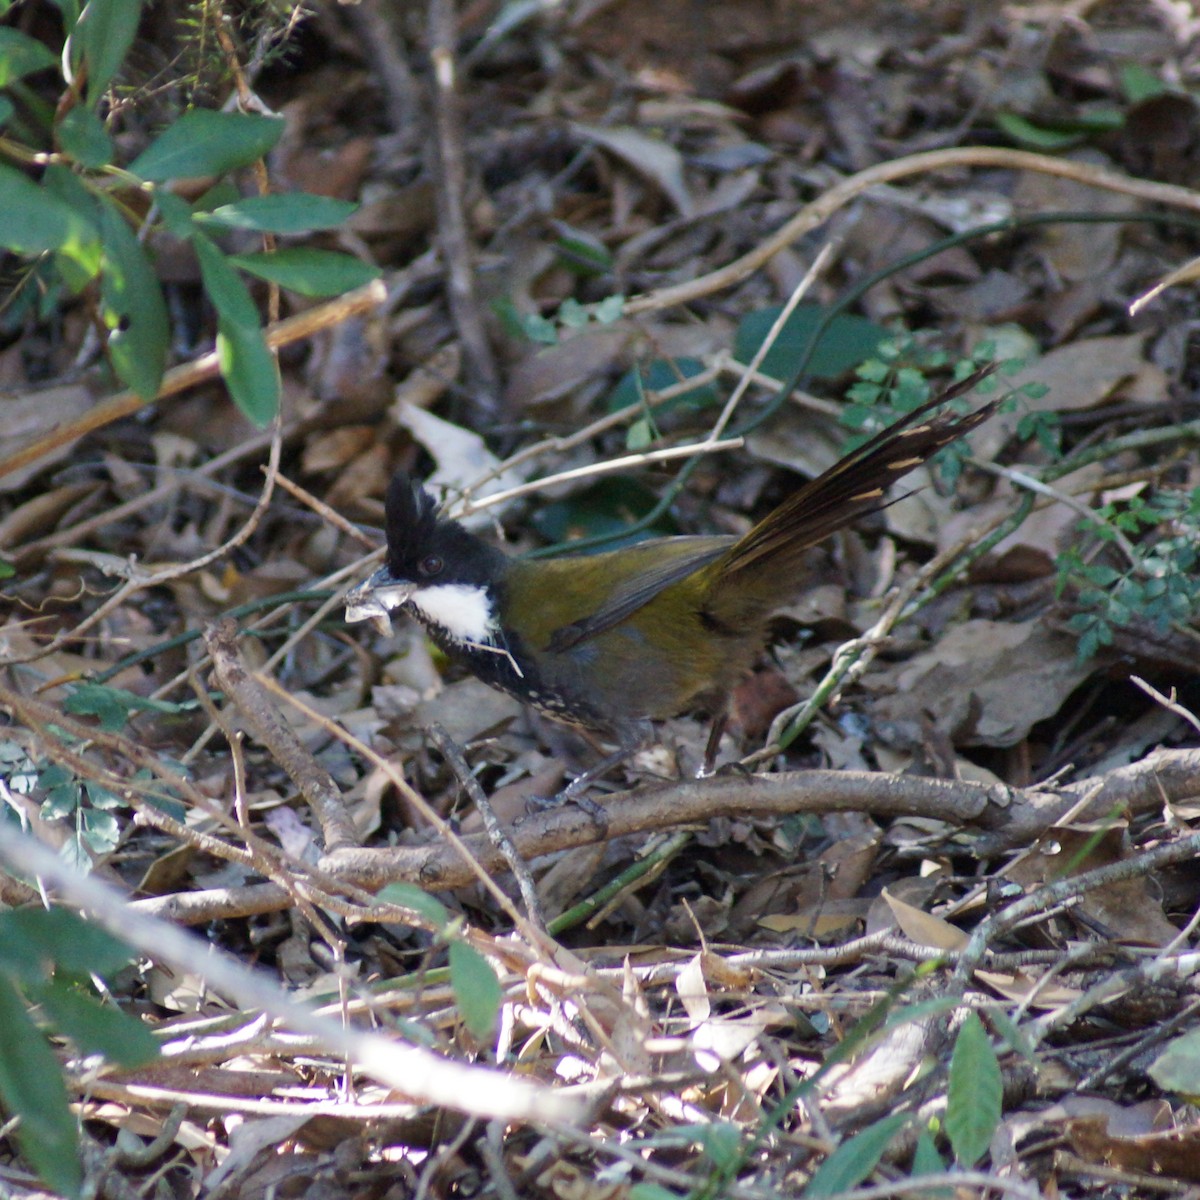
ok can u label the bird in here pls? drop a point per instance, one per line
(614, 641)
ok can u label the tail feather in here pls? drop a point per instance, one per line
(854, 486)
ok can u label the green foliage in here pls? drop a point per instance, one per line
(826, 345)
(1159, 584)
(1137, 83)
(113, 707)
(975, 1092)
(658, 376)
(855, 1158)
(1177, 1068)
(895, 380)
(65, 796)
(1048, 137)
(476, 990)
(45, 959)
(89, 225)
(580, 252)
(474, 984)
(606, 509)
(722, 1144)
(571, 315)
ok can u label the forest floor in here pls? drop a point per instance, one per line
(942, 938)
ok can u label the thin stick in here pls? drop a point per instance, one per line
(326, 513)
(769, 341)
(454, 237)
(516, 864)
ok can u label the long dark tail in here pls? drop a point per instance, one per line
(856, 485)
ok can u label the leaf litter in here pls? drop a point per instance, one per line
(742, 1004)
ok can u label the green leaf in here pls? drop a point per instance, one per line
(176, 214)
(132, 307)
(21, 55)
(476, 990)
(37, 936)
(35, 220)
(79, 260)
(722, 1144)
(581, 252)
(845, 342)
(855, 1159)
(55, 775)
(639, 436)
(975, 1093)
(1177, 1068)
(70, 12)
(94, 1027)
(31, 1087)
(408, 895)
(1037, 137)
(60, 802)
(203, 142)
(250, 372)
(226, 291)
(661, 374)
(926, 1159)
(247, 364)
(307, 271)
(608, 310)
(82, 135)
(101, 831)
(289, 212)
(112, 706)
(606, 509)
(571, 314)
(100, 797)
(108, 705)
(652, 1191)
(101, 39)
(1140, 83)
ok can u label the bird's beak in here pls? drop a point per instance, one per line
(375, 598)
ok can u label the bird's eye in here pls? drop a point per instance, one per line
(430, 565)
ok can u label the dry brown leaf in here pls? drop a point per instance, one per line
(39, 515)
(1128, 909)
(546, 375)
(1019, 987)
(649, 156)
(1174, 1154)
(26, 418)
(332, 450)
(1029, 552)
(924, 928)
(987, 683)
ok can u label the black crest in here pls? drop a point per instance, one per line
(424, 547)
(412, 523)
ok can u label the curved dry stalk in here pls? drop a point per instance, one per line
(841, 193)
(199, 370)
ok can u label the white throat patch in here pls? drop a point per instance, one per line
(464, 612)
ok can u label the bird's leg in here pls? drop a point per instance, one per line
(708, 766)
(631, 737)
